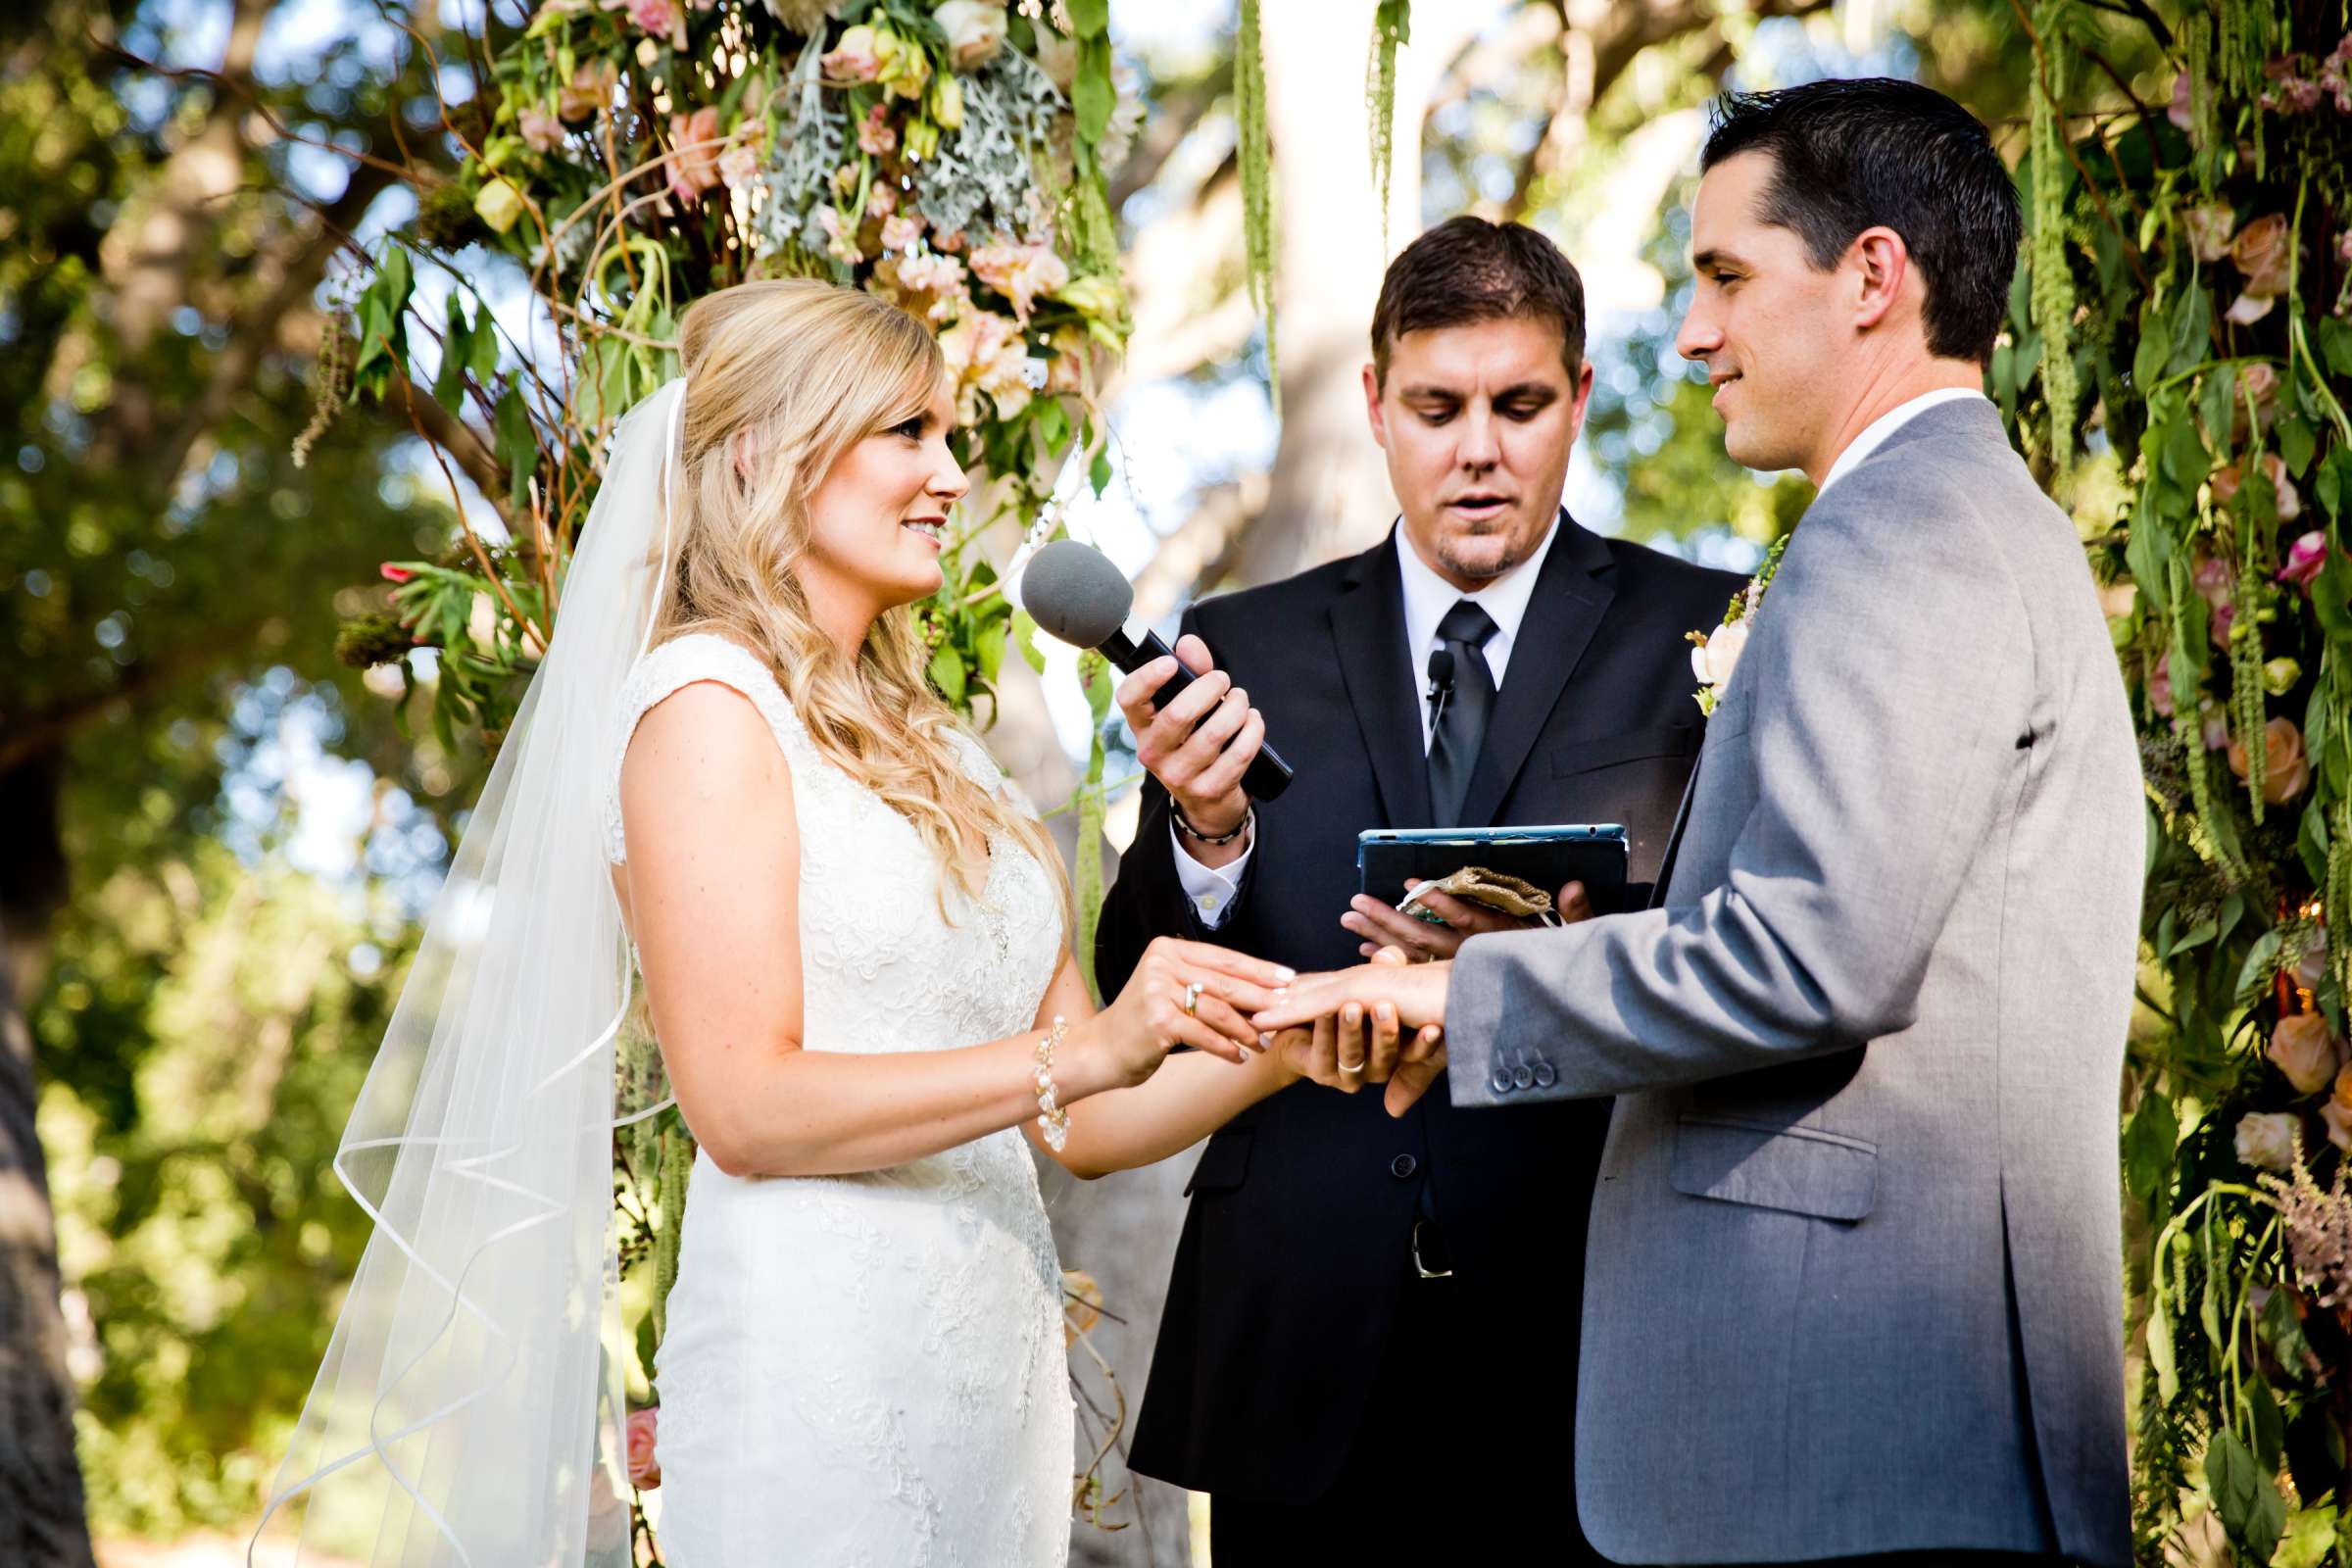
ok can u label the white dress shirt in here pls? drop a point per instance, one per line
(1886, 424)
(1427, 597)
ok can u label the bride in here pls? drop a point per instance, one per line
(855, 940)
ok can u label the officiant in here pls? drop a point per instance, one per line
(1571, 699)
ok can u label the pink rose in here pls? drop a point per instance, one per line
(875, 137)
(2301, 1048)
(660, 19)
(881, 200)
(542, 133)
(2213, 575)
(2305, 559)
(901, 234)
(2286, 770)
(645, 1467)
(694, 142)
(2182, 112)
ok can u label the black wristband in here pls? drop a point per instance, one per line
(1176, 814)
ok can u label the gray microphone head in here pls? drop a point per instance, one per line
(1074, 593)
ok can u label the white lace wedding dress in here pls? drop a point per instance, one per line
(870, 1369)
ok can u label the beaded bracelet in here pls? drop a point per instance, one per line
(1186, 828)
(1052, 1119)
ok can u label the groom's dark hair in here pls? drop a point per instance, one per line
(1467, 271)
(1861, 154)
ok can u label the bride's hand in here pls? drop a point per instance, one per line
(1134, 1035)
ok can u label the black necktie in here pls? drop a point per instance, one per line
(1461, 722)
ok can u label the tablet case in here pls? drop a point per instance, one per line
(1594, 853)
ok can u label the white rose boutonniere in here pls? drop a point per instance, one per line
(1715, 653)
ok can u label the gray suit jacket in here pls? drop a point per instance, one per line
(1855, 1276)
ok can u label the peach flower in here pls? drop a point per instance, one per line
(2210, 227)
(1020, 273)
(857, 57)
(2302, 1050)
(694, 143)
(590, 89)
(2286, 770)
(2338, 1117)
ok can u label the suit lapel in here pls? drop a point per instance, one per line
(1367, 629)
(1562, 616)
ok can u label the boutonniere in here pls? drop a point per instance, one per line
(1714, 655)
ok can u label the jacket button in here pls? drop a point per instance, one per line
(1544, 1076)
(1402, 1166)
(1523, 1078)
(1501, 1081)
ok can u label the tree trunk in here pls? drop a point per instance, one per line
(41, 1513)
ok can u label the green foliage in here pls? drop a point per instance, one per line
(2179, 278)
(205, 1032)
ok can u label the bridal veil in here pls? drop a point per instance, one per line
(466, 1411)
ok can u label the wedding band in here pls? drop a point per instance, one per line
(1351, 1066)
(1191, 995)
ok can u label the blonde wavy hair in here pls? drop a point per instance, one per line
(805, 371)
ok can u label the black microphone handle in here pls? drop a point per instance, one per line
(1267, 775)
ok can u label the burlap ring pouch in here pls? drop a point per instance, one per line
(1475, 884)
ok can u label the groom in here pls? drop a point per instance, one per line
(1852, 1282)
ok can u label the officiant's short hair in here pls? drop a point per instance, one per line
(1877, 151)
(1467, 271)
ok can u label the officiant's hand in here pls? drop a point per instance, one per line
(1380, 926)
(1320, 1025)
(1198, 746)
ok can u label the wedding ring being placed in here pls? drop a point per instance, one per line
(1191, 995)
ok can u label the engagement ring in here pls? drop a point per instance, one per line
(1191, 995)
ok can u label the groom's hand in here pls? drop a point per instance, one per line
(1404, 1046)
(1383, 926)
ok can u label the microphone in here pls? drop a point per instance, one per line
(1441, 684)
(1074, 592)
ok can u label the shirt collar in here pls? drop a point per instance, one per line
(1428, 596)
(1875, 433)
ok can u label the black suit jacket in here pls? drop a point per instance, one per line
(1286, 1275)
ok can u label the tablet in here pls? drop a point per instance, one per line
(1387, 859)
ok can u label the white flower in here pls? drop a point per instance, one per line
(975, 31)
(2266, 1139)
(1712, 661)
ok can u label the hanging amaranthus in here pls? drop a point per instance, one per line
(1258, 176)
(2053, 282)
(1392, 25)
